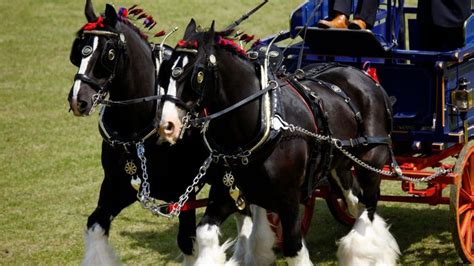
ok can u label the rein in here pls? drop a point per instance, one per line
(199, 122)
(166, 97)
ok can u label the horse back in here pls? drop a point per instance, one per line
(359, 93)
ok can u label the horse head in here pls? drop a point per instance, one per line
(201, 63)
(113, 59)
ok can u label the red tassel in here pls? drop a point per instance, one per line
(93, 25)
(152, 25)
(136, 11)
(159, 34)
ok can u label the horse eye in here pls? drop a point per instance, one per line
(111, 54)
(86, 51)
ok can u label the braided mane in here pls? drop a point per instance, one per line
(224, 40)
(123, 16)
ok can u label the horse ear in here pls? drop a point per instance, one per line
(190, 29)
(210, 33)
(110, 15)
(211, 29)
(89, 11)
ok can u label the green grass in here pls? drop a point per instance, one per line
(50, 170)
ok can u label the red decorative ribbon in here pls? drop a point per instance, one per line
(188, 44)
(94, 25)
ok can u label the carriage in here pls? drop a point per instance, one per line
(432, 106)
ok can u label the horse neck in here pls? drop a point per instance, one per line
(237, 80)
(134, 80)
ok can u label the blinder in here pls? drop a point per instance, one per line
(200, 74)
(79, 47)
(113, 47)
(109, 55)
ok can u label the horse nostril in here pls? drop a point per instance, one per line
(82, 105)
(169, 127)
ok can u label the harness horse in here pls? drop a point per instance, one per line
(275, 137)
(118, 68)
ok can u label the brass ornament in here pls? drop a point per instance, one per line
(111, 54)
(240, 203)
(228, 179)
(136, 183)
(176, 72)
(200, 77)
(234, 193)
(130, 168)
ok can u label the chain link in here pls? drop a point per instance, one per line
(184, 198)
(160, 208)
(155, 206)
(338, 144)
(97, 98)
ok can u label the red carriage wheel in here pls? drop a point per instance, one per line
(338, 208)
(462, 204)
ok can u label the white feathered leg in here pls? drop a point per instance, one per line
(368, 243)
(98, 250)
(260, 245)
(301, 258)
(244, 230)
(209, 251)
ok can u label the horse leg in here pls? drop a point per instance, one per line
(342, 175)
(369, 242)
(244, 230)
(111, 202)
(186, 235)
(261, 241)
(294, 248)
(207, 233)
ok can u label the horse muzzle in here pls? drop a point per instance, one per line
(80, 106)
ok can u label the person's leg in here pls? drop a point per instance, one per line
(342, 7)
(339, 12)
(365, 13)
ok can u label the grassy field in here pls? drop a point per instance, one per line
(50, 161)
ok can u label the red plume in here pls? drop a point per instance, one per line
(159, 34)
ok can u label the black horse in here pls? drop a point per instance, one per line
(275, 139)
(115, 59)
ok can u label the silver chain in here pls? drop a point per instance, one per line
(184, 198)
(155, 206)
(160, 208)
(338, 144)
